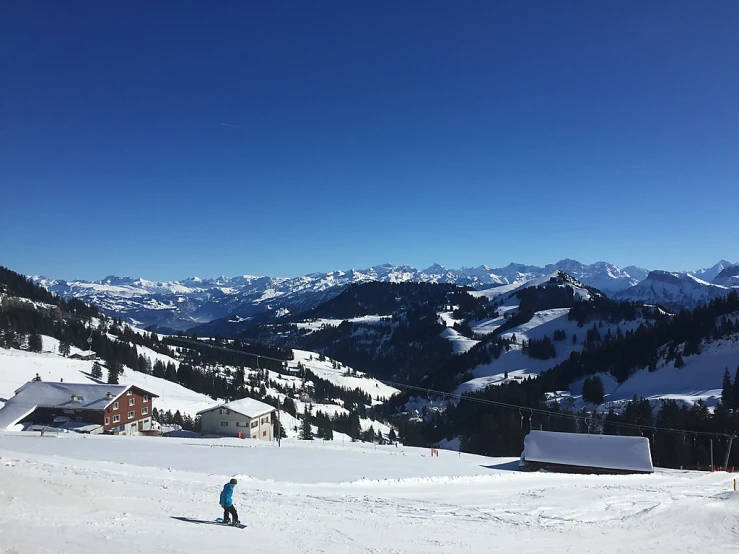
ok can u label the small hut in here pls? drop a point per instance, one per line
(578, 453)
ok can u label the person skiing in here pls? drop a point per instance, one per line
(227, 503)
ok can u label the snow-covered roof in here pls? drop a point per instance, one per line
(43, 394)
(610, 452)
(248, 407)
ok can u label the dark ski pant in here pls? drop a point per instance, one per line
(230, 510)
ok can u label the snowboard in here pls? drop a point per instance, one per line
(219, 521)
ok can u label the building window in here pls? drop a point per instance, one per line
(146, 398)
(116, 418)
(107, 421)
(131, 415)
(129, 393)
(224, 423)
(266, 419)
(254, 424)
(238, 424)
(264, 433)
(144, 411)
(131, 401)
(115, 405)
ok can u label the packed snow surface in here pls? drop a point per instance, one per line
(90, 494)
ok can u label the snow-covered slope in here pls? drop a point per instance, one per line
(18, 367)
(152, 495)
(699, 379)
(460, 343)
(517, 365)
(514, 363)
(344, 377)
(673, 290)
(559, 277)
(710, 273)
(729, 277)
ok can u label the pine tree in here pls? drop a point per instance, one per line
(35, 344)
(9, 338)
(305, 430)
(97, 370)
(391, 436)
(592, 390)
(171, 372)
(727, 390)
(159, 369)
(64, 348)
(114, 371)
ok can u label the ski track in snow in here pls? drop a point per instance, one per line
(56, 495)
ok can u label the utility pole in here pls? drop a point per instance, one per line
(279, 426)
(712, 466)
(728, 451)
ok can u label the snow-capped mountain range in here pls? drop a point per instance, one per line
(194, 301)
(675, 290)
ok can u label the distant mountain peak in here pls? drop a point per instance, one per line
(435, 268)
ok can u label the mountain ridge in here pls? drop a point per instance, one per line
(195, 301)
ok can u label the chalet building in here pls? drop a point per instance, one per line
(579, 453)
(81, 407)
(247, 418)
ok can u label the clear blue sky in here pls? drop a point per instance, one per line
(365, 132)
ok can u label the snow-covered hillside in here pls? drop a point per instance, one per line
(563, 279)
(673, 290)
(345, 377)
(710, 273)
(699, 379)
(117, 494)
(729, 277)
(18, 367)
(517, 365)
(514, 364)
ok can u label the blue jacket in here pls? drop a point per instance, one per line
(226, 495)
